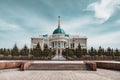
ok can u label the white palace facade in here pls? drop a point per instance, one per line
(59, 40)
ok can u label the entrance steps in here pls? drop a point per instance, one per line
(58, 66)
(58, 58)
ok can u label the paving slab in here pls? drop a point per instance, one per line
(100, 74)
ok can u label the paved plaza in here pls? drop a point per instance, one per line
(100, 74)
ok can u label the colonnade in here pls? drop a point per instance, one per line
(58, 44)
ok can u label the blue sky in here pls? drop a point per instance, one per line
(99, 20)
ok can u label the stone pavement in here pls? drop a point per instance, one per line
(58, 58)
(100, 74)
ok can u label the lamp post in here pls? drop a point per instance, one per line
(67, 52)
(50, 52)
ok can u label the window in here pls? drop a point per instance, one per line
(73, 45)
(53, 44)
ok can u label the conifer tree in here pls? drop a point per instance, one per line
(37, 51)
(78, 51)
(25, 51)
(15, 51)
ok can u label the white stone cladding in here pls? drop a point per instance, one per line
(59, 41)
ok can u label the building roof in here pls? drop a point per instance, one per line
(58, 31)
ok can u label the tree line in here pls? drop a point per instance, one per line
(92, 53)
(27, 53)
(68, 53)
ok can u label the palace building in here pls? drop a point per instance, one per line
(59, 40)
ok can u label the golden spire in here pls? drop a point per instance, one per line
(58, 21)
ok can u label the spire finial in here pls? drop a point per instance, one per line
(58, 21)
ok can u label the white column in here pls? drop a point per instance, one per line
(57, 44)
(56, 51)
(60, 51)
(60, 43)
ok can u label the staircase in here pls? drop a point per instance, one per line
(58, 66)
(58, 58)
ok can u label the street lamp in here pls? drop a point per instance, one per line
(67, 52)
(50, 52)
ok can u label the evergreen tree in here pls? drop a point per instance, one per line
(4, 52)
(46, 50)
(100, 51)
(15, 51)
(31, 51)
(7, 52)
(64, 52)
(37, 51)
(50, 53)
(1, 51)
(112, 53)
(109, 51)
(84, 52)
(78, 51)
(92, 52)
(25, 51)
(116, 52)
(54, 52)
(67, 52)
(71, 52)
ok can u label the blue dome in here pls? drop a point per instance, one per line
(59, 31)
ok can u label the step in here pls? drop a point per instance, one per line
(58, 58)
(58, 66)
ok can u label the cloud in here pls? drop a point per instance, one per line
(9, 38)
(8, 26)
(77, 24)
(117, 21)
(106, 40)
(104, 9)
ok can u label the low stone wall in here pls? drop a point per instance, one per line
(25, 65)
(10, 65)
(91, 66)
(108, 65)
